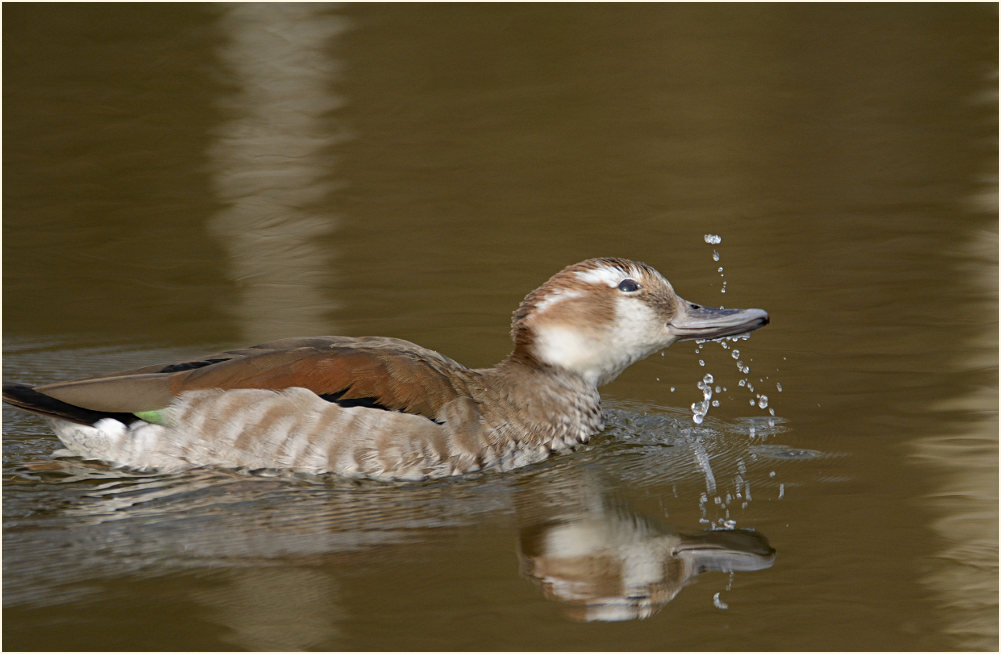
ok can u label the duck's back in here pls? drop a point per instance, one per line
(362, 407)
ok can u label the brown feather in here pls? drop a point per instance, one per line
(388, 373)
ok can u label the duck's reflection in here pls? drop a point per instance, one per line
(226, 533)
(607, 563)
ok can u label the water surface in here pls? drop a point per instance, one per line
(180, 179)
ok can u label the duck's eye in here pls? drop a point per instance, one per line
(628, 286)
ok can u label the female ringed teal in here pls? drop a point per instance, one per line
(384, 408)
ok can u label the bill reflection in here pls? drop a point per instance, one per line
(605, 562)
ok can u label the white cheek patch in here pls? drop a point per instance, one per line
(568, 348)
(637, 326)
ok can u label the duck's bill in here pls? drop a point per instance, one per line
(694, 321)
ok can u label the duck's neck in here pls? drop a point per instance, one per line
(538, 404)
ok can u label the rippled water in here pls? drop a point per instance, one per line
(180, 179)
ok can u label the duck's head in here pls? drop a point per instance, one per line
(596, 317)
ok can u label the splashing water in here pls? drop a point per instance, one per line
(716, 239)
(723, 496)
(701, 408)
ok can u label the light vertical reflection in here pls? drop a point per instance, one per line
(271, 163)
(964, 574)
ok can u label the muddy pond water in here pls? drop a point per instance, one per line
(183, 178)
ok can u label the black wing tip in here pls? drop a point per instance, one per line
(24, 396)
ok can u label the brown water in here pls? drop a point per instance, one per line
(179, 178)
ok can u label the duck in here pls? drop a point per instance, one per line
(383, 408)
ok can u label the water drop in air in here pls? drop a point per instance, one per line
(763, 402)
(713, 239)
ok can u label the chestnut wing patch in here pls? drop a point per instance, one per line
(414, 382)
(371, 372)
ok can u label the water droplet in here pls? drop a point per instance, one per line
(763, 402)
(735, 354)
(702, 363)
(751, 402)
(718, 389)
(715, 402)
(713, 239)
(672, 389)
(715, 255)
(708, 378)
(778, 386)
(782, 491)
(720, 269)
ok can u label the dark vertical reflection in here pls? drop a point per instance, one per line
(106, 111)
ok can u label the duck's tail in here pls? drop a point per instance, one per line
(28, 398)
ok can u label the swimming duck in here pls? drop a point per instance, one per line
(385, 408)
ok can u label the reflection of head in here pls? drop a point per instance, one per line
(608, 564)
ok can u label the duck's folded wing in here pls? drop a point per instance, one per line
(374, 372)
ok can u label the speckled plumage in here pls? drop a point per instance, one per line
(384, 408)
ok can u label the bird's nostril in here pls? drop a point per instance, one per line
(693, 306)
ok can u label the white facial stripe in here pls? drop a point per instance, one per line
(602, 275)
(554, 298)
